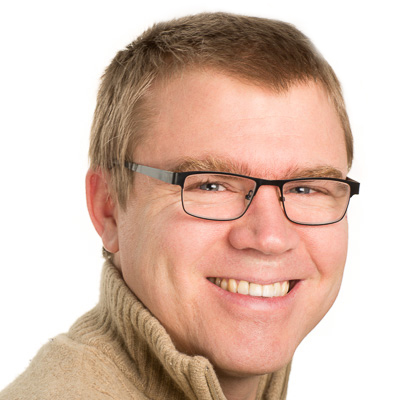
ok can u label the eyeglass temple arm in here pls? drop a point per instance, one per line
(165, 176)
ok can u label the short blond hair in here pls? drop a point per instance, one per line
(267, 52)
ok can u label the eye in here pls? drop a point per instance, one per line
(312, 189)
(218, 184)
(212, 187)
(301, 190)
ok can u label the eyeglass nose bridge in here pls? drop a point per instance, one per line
(265, 182)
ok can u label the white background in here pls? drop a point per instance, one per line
(52, 56)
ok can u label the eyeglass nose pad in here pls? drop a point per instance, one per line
(249, 195)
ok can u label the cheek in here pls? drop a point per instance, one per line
(328, 250)
(166, 247)
(189, 240)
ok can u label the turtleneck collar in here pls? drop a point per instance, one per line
(122, 328)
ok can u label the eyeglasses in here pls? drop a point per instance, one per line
(221, 196)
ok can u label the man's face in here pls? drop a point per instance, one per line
(166, 255)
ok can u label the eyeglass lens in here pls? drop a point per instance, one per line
(226, 197)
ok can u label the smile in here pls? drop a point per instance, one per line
(277, 289)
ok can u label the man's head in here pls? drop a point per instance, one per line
(239, 95)
(266, 53)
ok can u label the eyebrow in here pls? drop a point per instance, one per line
(211, 164)
(224, 165)
(320, 171)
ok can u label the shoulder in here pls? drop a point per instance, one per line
(66, 369)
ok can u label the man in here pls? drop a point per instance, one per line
(219, 153)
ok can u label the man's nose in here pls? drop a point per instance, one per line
(264, 227)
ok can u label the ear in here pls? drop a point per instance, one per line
(102, 209)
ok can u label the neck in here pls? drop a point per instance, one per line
(238, 388)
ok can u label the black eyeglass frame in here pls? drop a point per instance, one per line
(178, 178)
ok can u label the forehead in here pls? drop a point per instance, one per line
(204, 115)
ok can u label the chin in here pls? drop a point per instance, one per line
(252, 360)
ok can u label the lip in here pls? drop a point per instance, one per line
(239, 302)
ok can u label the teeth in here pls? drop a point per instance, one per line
(232, 285)
(224, 284)
(268, 290)
(243, 287)
(256, 290)
(277, 289)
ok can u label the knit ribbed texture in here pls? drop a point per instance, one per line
(120, 351)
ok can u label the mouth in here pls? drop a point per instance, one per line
(277, 289)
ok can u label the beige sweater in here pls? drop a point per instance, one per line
(120, 351)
